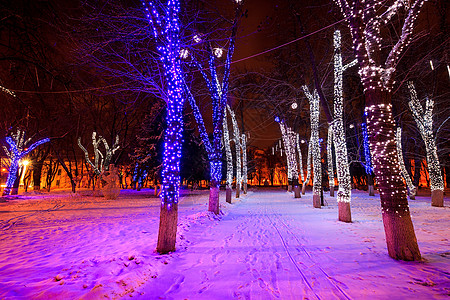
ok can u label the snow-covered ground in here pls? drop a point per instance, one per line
(266, 245)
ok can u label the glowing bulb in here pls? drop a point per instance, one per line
(184, 53)
(218, 52)
(197, 38)
(294, 105)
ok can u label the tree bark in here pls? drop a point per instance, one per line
(37, 173)
(345, 213)
(400, 236)
(214, 197)
(370, 183)
(297, 193)
(167, 228)
(228, 194)
(437, 198)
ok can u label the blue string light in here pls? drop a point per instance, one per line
(15, 153)
(164, 22)
(368, 164)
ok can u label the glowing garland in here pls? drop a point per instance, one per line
(368, 164)
(314, 141)
(300, 158)
(237, 145)
(244, 159)
(308, 167)
(286, 145)
(366, 19)
(340, 145)
(8, 91)
(164, 23)
(226, 138)
(385, 157)
(424, 121)
(411, 187)
(109, 152)
(17, 151)
(330, 157)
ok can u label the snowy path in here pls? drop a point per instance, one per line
(271, 246)
(267, 245)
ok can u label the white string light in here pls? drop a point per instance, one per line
(409, 184)
(330, 157)
(424, 121)
(340, 145)
(226, 137)
(314, 141)
(244, 160)
(237, 145)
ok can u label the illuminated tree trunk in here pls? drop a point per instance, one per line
(424, 121)
(164, 24)
(400, 237)
(308, 169)
(330, 160)
(377, 69)
(340, 145)
(289, 141)
(237, 145)
(315, 147)
(409, 184)
(226, 139)
(244, 162)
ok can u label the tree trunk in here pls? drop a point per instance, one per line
(228, 194)
(297, 193)
(37, 173)
(167, 228)
(317, 200)
(214, 197)
(15, 188)
(238, 190)
(303, 188)
(345, 213)
(437, 198)
(370, 183)
(289, 188)
(245, 188)
(400, 237)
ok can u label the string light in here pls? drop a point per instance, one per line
(294, 105)
(164, 22)
(17, 151)
(184, 53)
(314, 141)
(218, 92)
(226, 138)
(289, 141)
(244, 160)
(365, 28)
(8, 91)
(368, 164)
(330, 157)
(104, 159)
(300, 158)
(340, 145)
(424, 121)
(218, 52)
(385, 159)
(409, 184)
(237, 145)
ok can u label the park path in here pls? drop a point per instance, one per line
(261, 249)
